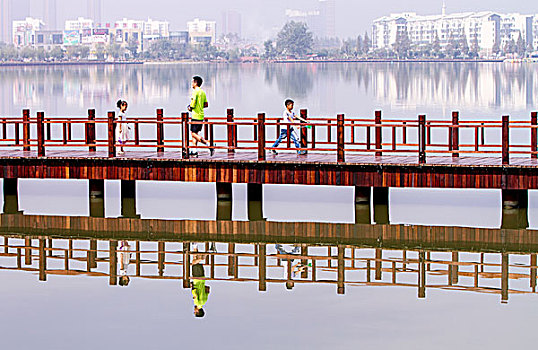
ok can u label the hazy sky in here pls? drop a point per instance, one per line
(263, 18)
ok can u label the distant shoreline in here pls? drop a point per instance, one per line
(386, 60)
(74, 63)
(373, 60)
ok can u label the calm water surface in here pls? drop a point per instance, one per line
(357, 89)
(81, 309)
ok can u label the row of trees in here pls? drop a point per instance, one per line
(57, 53)
(293, 40)
(456, 46)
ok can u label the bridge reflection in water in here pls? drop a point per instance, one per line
(457, 259)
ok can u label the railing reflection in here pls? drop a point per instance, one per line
(290, 265)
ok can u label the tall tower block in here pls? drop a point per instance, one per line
(49, 17)
(5, 21)
(95, 10)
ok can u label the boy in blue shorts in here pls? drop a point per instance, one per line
(290, 117)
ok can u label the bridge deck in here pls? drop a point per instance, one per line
(284, 157)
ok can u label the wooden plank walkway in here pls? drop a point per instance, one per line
(285, 168)
(283, 157)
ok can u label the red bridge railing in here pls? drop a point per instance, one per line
(340, 135)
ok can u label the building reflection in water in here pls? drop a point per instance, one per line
(344, 266)
(322, 87)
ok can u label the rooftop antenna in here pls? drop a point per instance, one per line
(444, 8)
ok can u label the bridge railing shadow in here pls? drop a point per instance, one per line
(344, 266)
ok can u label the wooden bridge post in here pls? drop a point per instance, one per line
(160, 130)
(40, 134)
(505, 276)
(454, 269)
(11, 196)
(378, 134)
(111, 135)
(455, 134)
(42, 260)
(421, 275)
(90, 130)
(92, 261)
(262, 267)
(96, 197)
(26, 129)
(261, 136)
(533, 273)
(378, 264)
(185, 134)
(113, 263)
(186, 265)
(341, 289)
(231, 131)
(304, 130)
(340, 132)
(506, 140)
(421, 139)
(161, 257)
(28, 251)
(534, 134)
(231, 259)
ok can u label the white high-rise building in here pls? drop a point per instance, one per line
(156, 29)
(201, 31)
(514, 25)
(24, 32)
(79, 24)
(484, 28)
(475, 27)
(535, 32)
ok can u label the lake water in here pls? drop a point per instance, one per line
(82, 309)
(486, 90)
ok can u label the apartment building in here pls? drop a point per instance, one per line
(482, 28)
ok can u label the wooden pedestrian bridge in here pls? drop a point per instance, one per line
(490, 261)
(377, 152)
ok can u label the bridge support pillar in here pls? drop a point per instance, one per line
(515, 209)
(362, 205)
(11, 196)
(224, 201)
(381, 205)
(255, 207)
(128, 199)
(97, 198)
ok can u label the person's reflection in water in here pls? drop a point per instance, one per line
(124, 258)
(294, 268)
(200, 292)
